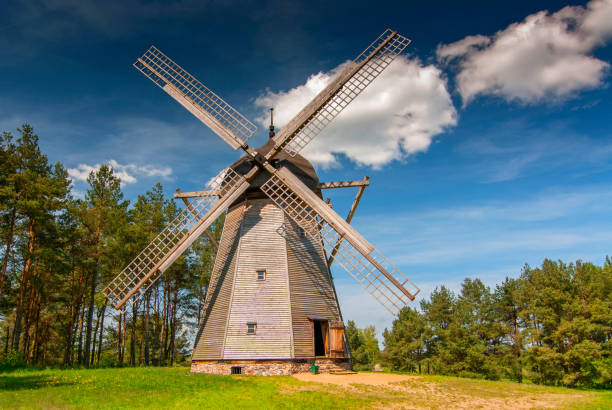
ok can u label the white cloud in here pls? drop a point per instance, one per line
(126, 172)
(461, 47)
(546, 56)
(397, 115)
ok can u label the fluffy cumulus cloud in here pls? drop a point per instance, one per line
(126, 172)
(546, 56)
(397, 115)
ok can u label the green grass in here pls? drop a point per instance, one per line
(176, 387)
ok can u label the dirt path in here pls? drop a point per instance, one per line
(415, 392)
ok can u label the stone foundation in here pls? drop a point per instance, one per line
(269, 367)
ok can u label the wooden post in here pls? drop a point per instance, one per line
(349, 218)
(209, 234)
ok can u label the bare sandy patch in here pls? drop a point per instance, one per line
(372, 379)
(414, 392)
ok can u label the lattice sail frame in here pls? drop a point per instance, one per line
(353, 83)
(173, 79)
(350, 258)
(144, 270)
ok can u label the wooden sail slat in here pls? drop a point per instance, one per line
(334, 98)
(233, 127)
(177, 236)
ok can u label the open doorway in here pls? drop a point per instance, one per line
(320, 333)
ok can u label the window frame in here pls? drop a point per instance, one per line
(265, 273)
(254, 325)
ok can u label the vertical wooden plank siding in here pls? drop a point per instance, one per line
(265, 302)
(297, 289)
(309, 283)
(209, 339)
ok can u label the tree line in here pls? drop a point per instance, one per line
(551, 325)
(59, 251)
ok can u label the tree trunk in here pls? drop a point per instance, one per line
(101, 332)
(7, 252)
(35, 339)
(146, 330)
(80, 348)
(95, 334)
(47, 335)
(8, 333)
(162, 324)
(92, 292)
(133, 335)
(156, 315)
(22, 288)
(69, 333)
(119, 358)
(90, 310)
(173, 336)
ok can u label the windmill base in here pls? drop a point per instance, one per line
(270, 367)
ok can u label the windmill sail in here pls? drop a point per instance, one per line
(204, 104)
(359, 73)
(136, 278)
(362, 261)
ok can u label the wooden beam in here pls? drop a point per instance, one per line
(211, 237)
(345, 184)
(194, 194)
(349, 218)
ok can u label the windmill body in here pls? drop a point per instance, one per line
(271, 306)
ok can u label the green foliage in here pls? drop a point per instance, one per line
(11, 360)
(57, 253)
(364, 346)
(552, 326)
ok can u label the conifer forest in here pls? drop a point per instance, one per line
(550, 324)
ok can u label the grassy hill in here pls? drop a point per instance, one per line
(176, 387)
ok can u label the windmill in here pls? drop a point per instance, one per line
(271, 306)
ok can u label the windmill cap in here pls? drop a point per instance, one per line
(300, 166)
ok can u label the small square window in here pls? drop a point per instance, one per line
(261, 274)
(301, 232)
(251, 328)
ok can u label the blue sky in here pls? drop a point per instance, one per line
(488, 144)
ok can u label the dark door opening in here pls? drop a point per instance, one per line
(320, 337)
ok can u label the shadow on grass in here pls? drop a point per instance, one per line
(29, 382)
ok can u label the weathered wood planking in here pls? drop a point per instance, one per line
(265, 302)
(312, 295)
(211, 332)
(297, 288)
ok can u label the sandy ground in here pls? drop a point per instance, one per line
(372, 379)
(414, 392)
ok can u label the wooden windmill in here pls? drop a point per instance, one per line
(271, 306)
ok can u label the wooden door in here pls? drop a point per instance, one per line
(320, 335)
(336, 331)
(325, 333)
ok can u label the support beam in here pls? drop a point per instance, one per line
(180, 194)
(345, 184)
(349, 218)
(322, 185)
(211, 237)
